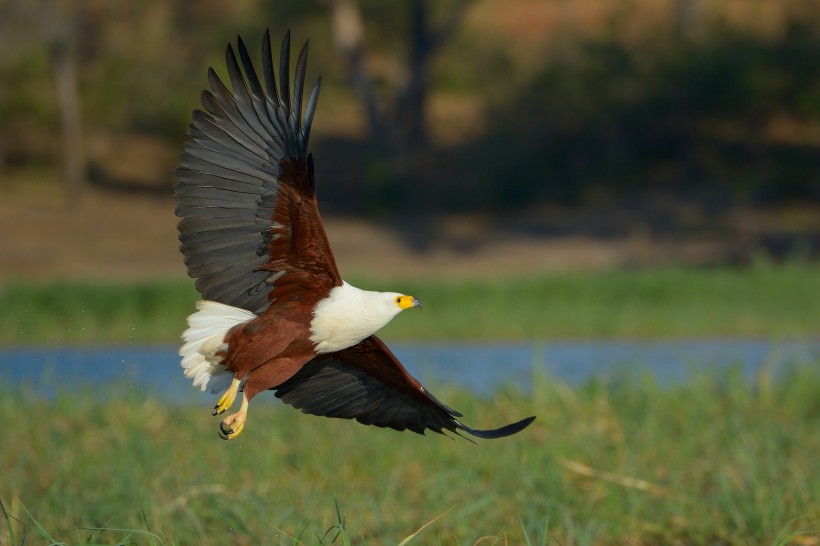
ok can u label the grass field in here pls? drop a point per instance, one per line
(713, 461)
(761, 301)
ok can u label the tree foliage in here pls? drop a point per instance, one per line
(512, 104)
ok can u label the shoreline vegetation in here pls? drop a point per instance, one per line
(713, 460)
(763, 300)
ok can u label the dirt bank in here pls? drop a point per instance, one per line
(109, 235)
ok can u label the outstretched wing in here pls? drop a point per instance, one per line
(366, 382)
(250, 229)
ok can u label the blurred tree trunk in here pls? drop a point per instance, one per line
(54, 24)
(425, 42)
(348, 33)
(412, 101)
(406, 126)
(686, 18)
(64, 59)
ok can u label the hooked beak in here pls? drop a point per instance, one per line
(416, 303)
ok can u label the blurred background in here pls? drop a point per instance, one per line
(484, 137)
(610, 209)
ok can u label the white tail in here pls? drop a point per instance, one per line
(205, 337)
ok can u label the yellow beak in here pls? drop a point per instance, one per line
(406, 302)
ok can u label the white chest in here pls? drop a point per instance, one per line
(349, 315)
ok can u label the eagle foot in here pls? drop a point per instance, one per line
(230, 430)
(232, 426)
(227, 399)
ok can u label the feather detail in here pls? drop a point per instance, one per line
(247, 175)
(204, 343)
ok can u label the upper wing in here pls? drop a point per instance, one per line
(366, 382)
(250, 228)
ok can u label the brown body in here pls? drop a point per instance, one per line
(270, 349)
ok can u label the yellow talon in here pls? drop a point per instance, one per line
(232, 426)
(228, 397)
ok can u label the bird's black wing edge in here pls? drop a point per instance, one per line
(334, 386)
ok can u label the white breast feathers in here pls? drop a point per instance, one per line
(348, 315)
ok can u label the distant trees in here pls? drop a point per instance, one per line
(64, 57)
(54, 27)
(563, 99)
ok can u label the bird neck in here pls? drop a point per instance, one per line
(348, 315)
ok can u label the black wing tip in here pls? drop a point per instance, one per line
(507, 430)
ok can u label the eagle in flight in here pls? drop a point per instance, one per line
(276, 314)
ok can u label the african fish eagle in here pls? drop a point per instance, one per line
(276, 313)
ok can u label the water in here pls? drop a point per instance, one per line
(482, 368)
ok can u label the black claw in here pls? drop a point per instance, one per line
(224, 431)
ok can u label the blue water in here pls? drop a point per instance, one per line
(480, 368)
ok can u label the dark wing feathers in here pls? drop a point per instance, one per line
(367, 383)
(311, 108)
(299, 81)
(284, 71)
(209, 136)
(267, 65)
(229, 184)
(253, 80)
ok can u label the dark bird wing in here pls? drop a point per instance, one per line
(250, 229)
(366, 382)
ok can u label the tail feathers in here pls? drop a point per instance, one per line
(204, 340)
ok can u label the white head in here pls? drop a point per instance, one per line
(375, 309)
(348, 315)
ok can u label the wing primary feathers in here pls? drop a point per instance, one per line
(242, 95)
(221, 104)
(258, 102)
(267, 67)
(507, 430)
(274, 104)
(298, 88)
(240, 88)
(226, 105)
(442, 405)
(311, 108)
(250, 72)
(284, 71)
(229, 180)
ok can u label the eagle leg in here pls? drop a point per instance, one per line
(228, 397)
(232, 425)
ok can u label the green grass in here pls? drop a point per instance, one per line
(764, 300)
(713, 461)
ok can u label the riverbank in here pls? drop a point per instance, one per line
(764, 301)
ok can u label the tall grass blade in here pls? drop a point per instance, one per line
(425, 526)
(8, 517)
